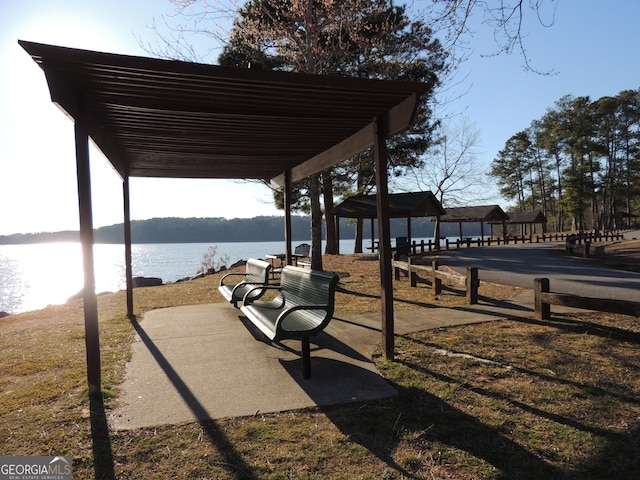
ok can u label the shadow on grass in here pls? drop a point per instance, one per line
(101, 442)
(454, 291)
(590, 387)
(233, 460)
(617, 449)
(355, 293)
(436, 429)
(576, 325)
(431, 425)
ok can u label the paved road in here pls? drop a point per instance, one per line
(519, 264)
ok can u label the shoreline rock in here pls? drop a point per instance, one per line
(146, 282)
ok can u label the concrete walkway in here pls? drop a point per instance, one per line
(206, 361)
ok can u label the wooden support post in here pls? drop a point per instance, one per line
(92, 337)
(127, 246)
(287, 218)
(384, 236)
(337, 220)
(542, 311)
(436, 283)
(396, 270)
(472, 285)
(306, 358)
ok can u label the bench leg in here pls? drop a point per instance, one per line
(306, 358)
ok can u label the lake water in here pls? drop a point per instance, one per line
(36, 275)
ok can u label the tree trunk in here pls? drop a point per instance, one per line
(436, 233)
(359, 234)
(316, 223)
(329, 220)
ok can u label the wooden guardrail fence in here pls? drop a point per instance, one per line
(437, 277)
(416, 248)
(544, 298)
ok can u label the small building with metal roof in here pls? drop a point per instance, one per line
(491, 214)
(401, 205)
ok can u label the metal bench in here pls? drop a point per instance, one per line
(302, 308)
(256, 273)
(302, 251)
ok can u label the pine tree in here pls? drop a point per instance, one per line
(365, 39)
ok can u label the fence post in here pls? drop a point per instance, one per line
(436, 283)
(472, 285)
(413, 276)
(542, 311)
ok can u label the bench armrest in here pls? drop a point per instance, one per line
(231, 275)
(244, 284)
(282, 317)
(247, 300)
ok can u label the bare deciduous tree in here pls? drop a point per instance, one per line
(453, 171)
(451, 20)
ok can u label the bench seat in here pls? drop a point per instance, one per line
(256, 274)
(302, 308)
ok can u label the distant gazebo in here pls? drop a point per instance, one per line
(527, 221)
(491, 214)
(401, 205)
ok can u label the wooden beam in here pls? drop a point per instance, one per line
(400, 117)
(384, 238)
(397, 120)
(356, 143)
(92, 337)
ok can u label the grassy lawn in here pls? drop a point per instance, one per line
(516, 399)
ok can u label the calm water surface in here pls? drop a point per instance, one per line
(34, 276)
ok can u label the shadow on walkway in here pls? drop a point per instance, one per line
(233, 460)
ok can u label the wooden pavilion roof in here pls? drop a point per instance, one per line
(401, 205)
(163, 118)
(519, 218)
(479, 213)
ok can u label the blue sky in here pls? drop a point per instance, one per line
(592, 48)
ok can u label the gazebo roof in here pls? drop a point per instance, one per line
(517, 218)
(162, 118)
(401, 205)
(479, 213)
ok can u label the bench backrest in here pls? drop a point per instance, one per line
(314, 287)
(257, 271)
(302, 250)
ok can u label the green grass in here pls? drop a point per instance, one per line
(504, 400)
